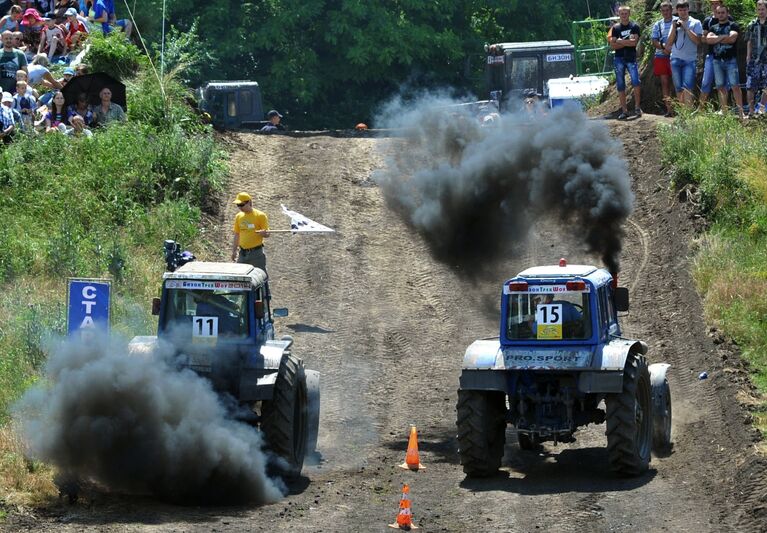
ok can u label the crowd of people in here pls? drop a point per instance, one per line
(36, 34)
(677, 39)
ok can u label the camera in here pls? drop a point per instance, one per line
(174, 257)
(678, 24)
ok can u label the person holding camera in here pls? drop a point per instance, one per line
(624, 37)
(683, 41)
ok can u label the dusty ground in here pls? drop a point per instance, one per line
(387, 326)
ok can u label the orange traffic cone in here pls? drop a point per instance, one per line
(405, 515)
(412, 462)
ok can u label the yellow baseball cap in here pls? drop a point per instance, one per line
(242, 198)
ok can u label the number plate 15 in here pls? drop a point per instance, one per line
(549, 321)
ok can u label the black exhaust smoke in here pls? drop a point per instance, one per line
(133, 423)
(474, 190)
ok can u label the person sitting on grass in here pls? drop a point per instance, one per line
(75, 30)
(18, 41)
(21, 75)
(11, 21)
(81, 109)
(25, 105)
(107, 111)
(78, 128)
(56, 120)
(9, 118)
(32, 26)
(52, 40)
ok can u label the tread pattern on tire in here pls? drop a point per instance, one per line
(481, 431)
(277, 414)
(622, 428)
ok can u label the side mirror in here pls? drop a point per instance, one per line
(621, 298)
(280, 312)
(155, 306)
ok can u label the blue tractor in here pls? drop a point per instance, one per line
(216, 319)
(561, 363)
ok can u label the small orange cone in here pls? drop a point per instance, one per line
(405, 515)
(412, 462)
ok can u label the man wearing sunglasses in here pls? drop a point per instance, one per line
(251, 226)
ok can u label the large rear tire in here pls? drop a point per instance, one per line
(629, 420)
(284, 420)
(481, 431)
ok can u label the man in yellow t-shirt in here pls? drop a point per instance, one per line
(250, 228)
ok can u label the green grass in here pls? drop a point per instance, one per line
(724, 164)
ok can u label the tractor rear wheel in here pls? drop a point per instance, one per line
(481, 431)
(630, 420)
(284, 419)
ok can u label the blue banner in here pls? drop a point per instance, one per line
(88, 304)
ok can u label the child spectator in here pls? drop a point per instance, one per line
(82, 109)
(756, 59)
(624, 38)
(78, 128)
(9, 118)
(25, 105)
(32, 25)
(52, 40)
(21, 75)
(56, 119)
(11, 21)
(74, 30)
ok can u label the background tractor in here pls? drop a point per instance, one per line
(561, 363)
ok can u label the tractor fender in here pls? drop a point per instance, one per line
(613, 355)
(484, 354)
(313, 410)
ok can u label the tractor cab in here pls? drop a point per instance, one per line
(512, 68)
(232, 104)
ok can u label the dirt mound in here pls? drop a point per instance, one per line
(387, 325)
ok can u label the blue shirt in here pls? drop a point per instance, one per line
(100, 8)
(660, 31)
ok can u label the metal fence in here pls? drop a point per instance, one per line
(593, 55)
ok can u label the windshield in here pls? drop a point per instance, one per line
(524, 73)
(205, 315)
(548, 316)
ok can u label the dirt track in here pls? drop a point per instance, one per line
(387, 326)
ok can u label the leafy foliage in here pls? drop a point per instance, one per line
(114, 55)
(330, 62)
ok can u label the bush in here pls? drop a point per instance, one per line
(114, 55)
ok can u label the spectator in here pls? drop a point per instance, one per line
(662, 61)
(756, 59)
(81, 69)
(274, 118)
(56, 119)
(723, 39)
(67, 75)
(32, 26)
(9, 118)
(11, 21)
(75, 30)
(21, 75)
(78, 128)
(707, 83)
(81, 109)
(52, 39)
(107, 111)
(18, 41)
(61, 8)
(40, 75)
(683, 43)
(104, 14)
(624, 38)
(251, 226)
(11, 60)
(25, 104)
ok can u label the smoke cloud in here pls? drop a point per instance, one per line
(474, 189)
(135, 424)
